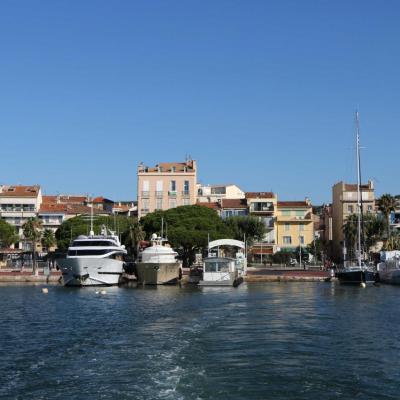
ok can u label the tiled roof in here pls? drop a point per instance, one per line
(101, 200)
(260, 195)
(65, 199)
(213, 205)
(289, 204)
(52, 208)
(77, 209)
(19, 191)
(233, 203)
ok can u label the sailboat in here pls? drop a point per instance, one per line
(358, 274)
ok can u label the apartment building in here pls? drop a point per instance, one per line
(214, 193)
(294, 224)
(19, 203)
(166, 185)
(345, 203)
(264, 206)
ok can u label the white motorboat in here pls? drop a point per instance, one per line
(93, 260)
(158, 264)
(219, 270)
(389, 267)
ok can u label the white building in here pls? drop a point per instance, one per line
(18, 204)
(215, 193)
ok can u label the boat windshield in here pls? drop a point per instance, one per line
(92, 252)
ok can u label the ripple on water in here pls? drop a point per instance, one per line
(275, 341)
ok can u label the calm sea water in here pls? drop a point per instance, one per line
(258, 341)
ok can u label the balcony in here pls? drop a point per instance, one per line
(172, 193)
(159, 193)
(145, 194)
(185, 193)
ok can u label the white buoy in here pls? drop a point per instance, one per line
(45, 290)
(97, 292)
(363, 285)
(103, 292)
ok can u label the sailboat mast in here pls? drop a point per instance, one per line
(359, 195)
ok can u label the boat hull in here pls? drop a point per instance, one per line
(158, 273)
(391, 276)
(356, 277)
(90, 271)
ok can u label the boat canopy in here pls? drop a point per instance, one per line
(226, 242)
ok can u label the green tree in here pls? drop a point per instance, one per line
(80, 225)
(132, 236)
(188, 229)
(374, 228)
(48, 239)
(392, 242)
(252, 228)
(386, 205)
(32, 229)
(315, 248)
(8, 235)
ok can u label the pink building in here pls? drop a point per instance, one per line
(165, 186)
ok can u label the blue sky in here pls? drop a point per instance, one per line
(260, 93)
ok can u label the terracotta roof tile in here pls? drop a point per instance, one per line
(52, 208)
(19, 191)
(233, 203)
(213, 205)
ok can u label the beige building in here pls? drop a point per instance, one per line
(294, 224)
(165, 186)
(344, 203)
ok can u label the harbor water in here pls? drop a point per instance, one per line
(257, 341)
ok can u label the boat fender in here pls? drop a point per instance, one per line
(45, 290)
(363, 285)
(103, 292)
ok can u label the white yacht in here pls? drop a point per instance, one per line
(389, 267)
(158, 264)
(93, 260)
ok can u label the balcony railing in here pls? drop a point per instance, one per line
(145, 194)
(172, 193)
(186, 193)
(159, 193)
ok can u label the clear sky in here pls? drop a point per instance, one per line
(260, 93)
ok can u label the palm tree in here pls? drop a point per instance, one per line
(48, 239)
(350, 234)
(393, 242)
(32, 232)
(132, 237)
(386, 205)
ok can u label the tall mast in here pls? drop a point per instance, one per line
(359, 195)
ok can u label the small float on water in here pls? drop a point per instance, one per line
(221, 270)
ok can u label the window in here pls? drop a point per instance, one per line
(145, 205)
(286, 213)
(172, 186)
(218, 190)
(172, 203)
(159, 186)
(186, 202)
(146, 186)
(287, 240)
(301, 239)
(369, 208)
(159, 204)
(350, 209)
(89, 243)
(287, 227)
(88, 252)
(300, 213)
(301, 227)
(186, 186)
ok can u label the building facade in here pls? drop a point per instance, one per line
(214, 193)
(294, 225)
(165, 186)
(345, 203)
(17, 204)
